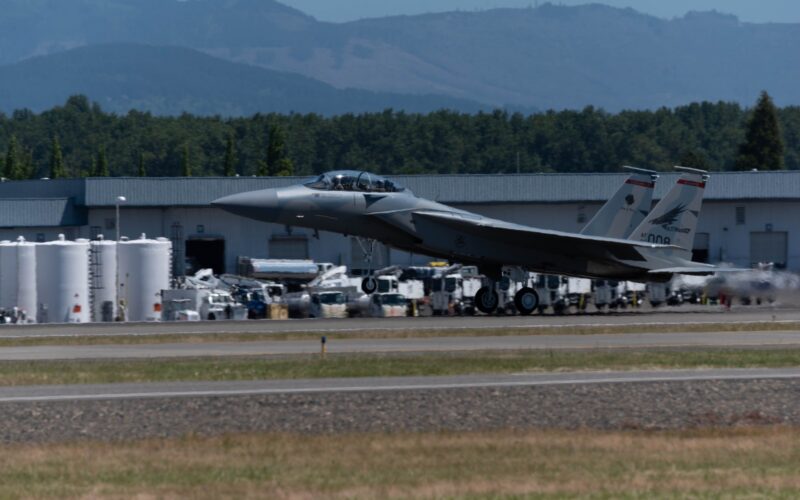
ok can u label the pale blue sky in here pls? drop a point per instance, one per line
(747, 10)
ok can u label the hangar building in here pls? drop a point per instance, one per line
(747, 217)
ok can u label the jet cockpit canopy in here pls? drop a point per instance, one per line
(353, 180)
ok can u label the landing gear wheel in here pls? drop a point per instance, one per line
(369, 285)
(486, 300)
(526, 300)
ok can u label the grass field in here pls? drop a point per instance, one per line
(751, 463)
(372, 365)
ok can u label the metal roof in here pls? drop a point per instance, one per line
(174, 191)
(576, 188)
(44, 212)
(57, 188)
(459, 189)
(456, 189)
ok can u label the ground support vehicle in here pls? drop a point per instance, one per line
(207, 303)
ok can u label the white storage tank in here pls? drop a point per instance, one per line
(63, 281)
(18, 279)
(8, 275)
(27, 295)
(144, 270)
(103, 267)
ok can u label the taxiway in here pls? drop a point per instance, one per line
(644, 317)
(739, 340)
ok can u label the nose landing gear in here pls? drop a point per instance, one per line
(369, 284)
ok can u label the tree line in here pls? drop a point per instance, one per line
(79, 139)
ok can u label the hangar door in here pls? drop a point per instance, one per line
(700, 247)
(769, 247)
(288, 247)
(205, 253)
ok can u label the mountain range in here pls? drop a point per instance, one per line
(168, 80)
(535, 58)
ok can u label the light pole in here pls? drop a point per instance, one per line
(120, 199)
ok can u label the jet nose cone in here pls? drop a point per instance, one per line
(261, 205)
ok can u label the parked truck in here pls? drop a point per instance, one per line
(328, 304)
(380, 305)
(209, 304)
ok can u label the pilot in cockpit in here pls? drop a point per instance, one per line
(338, 185)
(354, 181)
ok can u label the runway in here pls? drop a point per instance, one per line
(32, 394)
(668, 399)
(644, 317)
(433, 344)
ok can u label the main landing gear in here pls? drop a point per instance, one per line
(487, 300)
(526, 301)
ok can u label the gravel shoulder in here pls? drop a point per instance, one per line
(645, 405)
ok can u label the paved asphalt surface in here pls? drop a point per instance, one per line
(267, 387)
(437, 344)
(668, 399)
(672, 315)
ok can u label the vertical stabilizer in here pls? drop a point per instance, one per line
(674, 219)
(624, 211)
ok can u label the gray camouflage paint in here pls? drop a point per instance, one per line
(406, 222)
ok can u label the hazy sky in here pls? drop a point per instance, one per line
(747, 10)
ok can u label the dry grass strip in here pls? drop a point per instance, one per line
(749, 462)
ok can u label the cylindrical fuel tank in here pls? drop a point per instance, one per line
(18, 279)
(144, 270)
(8, 275)
(27, 295)
(62, 278)
(103, 262)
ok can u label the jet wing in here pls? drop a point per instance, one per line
(694, 271)
(517, 234)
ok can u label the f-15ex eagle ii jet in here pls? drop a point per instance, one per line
(374, 208)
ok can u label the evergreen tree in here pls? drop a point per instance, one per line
(101, 166)
(27, 165)
(694, 159)
(186, 167)
(142, 171)
(390, 142)
(278, 162)
(763, 145)
(13, 166)
(57, 169)
(230, 157)
(263, 168)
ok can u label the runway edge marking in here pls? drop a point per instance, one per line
(395, 388)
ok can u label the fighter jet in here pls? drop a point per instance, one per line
(374, 208)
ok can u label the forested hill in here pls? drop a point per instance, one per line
(702, 134)
(174, 80)
(547, 57)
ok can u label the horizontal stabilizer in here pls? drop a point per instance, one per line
(698, 270)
